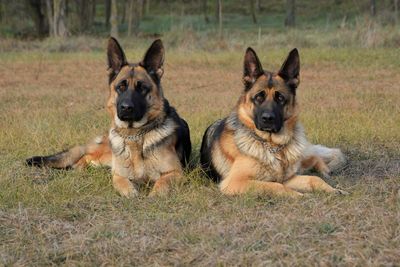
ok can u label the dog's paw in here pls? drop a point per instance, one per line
(128, 191)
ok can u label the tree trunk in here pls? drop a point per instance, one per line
(1, 12)
(114, 19)
(94, 2)
(147, 7)
(49, 11)
(134, 16)
(138, 16)
(59, 26)
(290, 20)
(107, 13)
(124, 11)
(253, 11)
(206, 19)
(258, 5)
(396, 11)
(130, 17)
(219, 16)
(85, 14)
(39, 17)
(373, 8)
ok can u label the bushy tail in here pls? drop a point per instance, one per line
(332, 157)
(97, 152)
(62, 160)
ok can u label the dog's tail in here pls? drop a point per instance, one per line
(96, 152)
(332, 157)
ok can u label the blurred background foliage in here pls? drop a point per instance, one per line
(70, 25)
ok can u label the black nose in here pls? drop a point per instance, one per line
(126, 107)
(268, 117)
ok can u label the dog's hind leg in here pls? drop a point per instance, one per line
(333, 158)
(317, 163)
(96, 152)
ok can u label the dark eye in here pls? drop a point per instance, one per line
(142, 88)
(260, 97)
(122, 86)
(279, 98)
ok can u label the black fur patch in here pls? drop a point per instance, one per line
(206, 148)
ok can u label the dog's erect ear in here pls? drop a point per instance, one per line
(290, 69)
(115, 57)
(252, 68)
(154, 59)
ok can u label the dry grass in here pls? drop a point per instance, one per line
(349, 99)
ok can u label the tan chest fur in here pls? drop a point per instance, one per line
(263, 164)
(145, 158)
(278, 169)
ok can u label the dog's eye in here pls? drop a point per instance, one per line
(122, 86)
(142, 88)
(279, 98)
(260, 97)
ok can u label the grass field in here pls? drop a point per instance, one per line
(50, 101)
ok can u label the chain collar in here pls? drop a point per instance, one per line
(267, 145)
(135, 138)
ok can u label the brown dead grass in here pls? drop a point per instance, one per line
(47, 217)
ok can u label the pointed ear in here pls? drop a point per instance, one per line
(154, 59)
(115, 57)
(290, 69)
(252, 68)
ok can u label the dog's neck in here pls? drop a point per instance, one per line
(281, 138)
(290, 142)
(135, 134)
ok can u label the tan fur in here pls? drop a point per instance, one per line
(129, 159)
(317, 163)
(305, 184)
(244, 162)
(139, 150)
(97, 153)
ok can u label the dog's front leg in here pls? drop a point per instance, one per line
(169, 168)
(307, 183)
(163, 185)
(241, 180)
(124, 186)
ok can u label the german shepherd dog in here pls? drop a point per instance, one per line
(148, 141)
(261, 146)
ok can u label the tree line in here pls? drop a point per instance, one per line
(61, 18)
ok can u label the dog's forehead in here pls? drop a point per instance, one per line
(133, 71)
(269, 81)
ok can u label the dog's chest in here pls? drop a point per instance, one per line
(272, 166)
(277, 168)
(132, 160)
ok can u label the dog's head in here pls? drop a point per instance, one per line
(136, 97)
(268, 99)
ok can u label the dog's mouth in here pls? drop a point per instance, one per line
(130, 122)
(138, 124)
(130, 117)
(268, 129)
